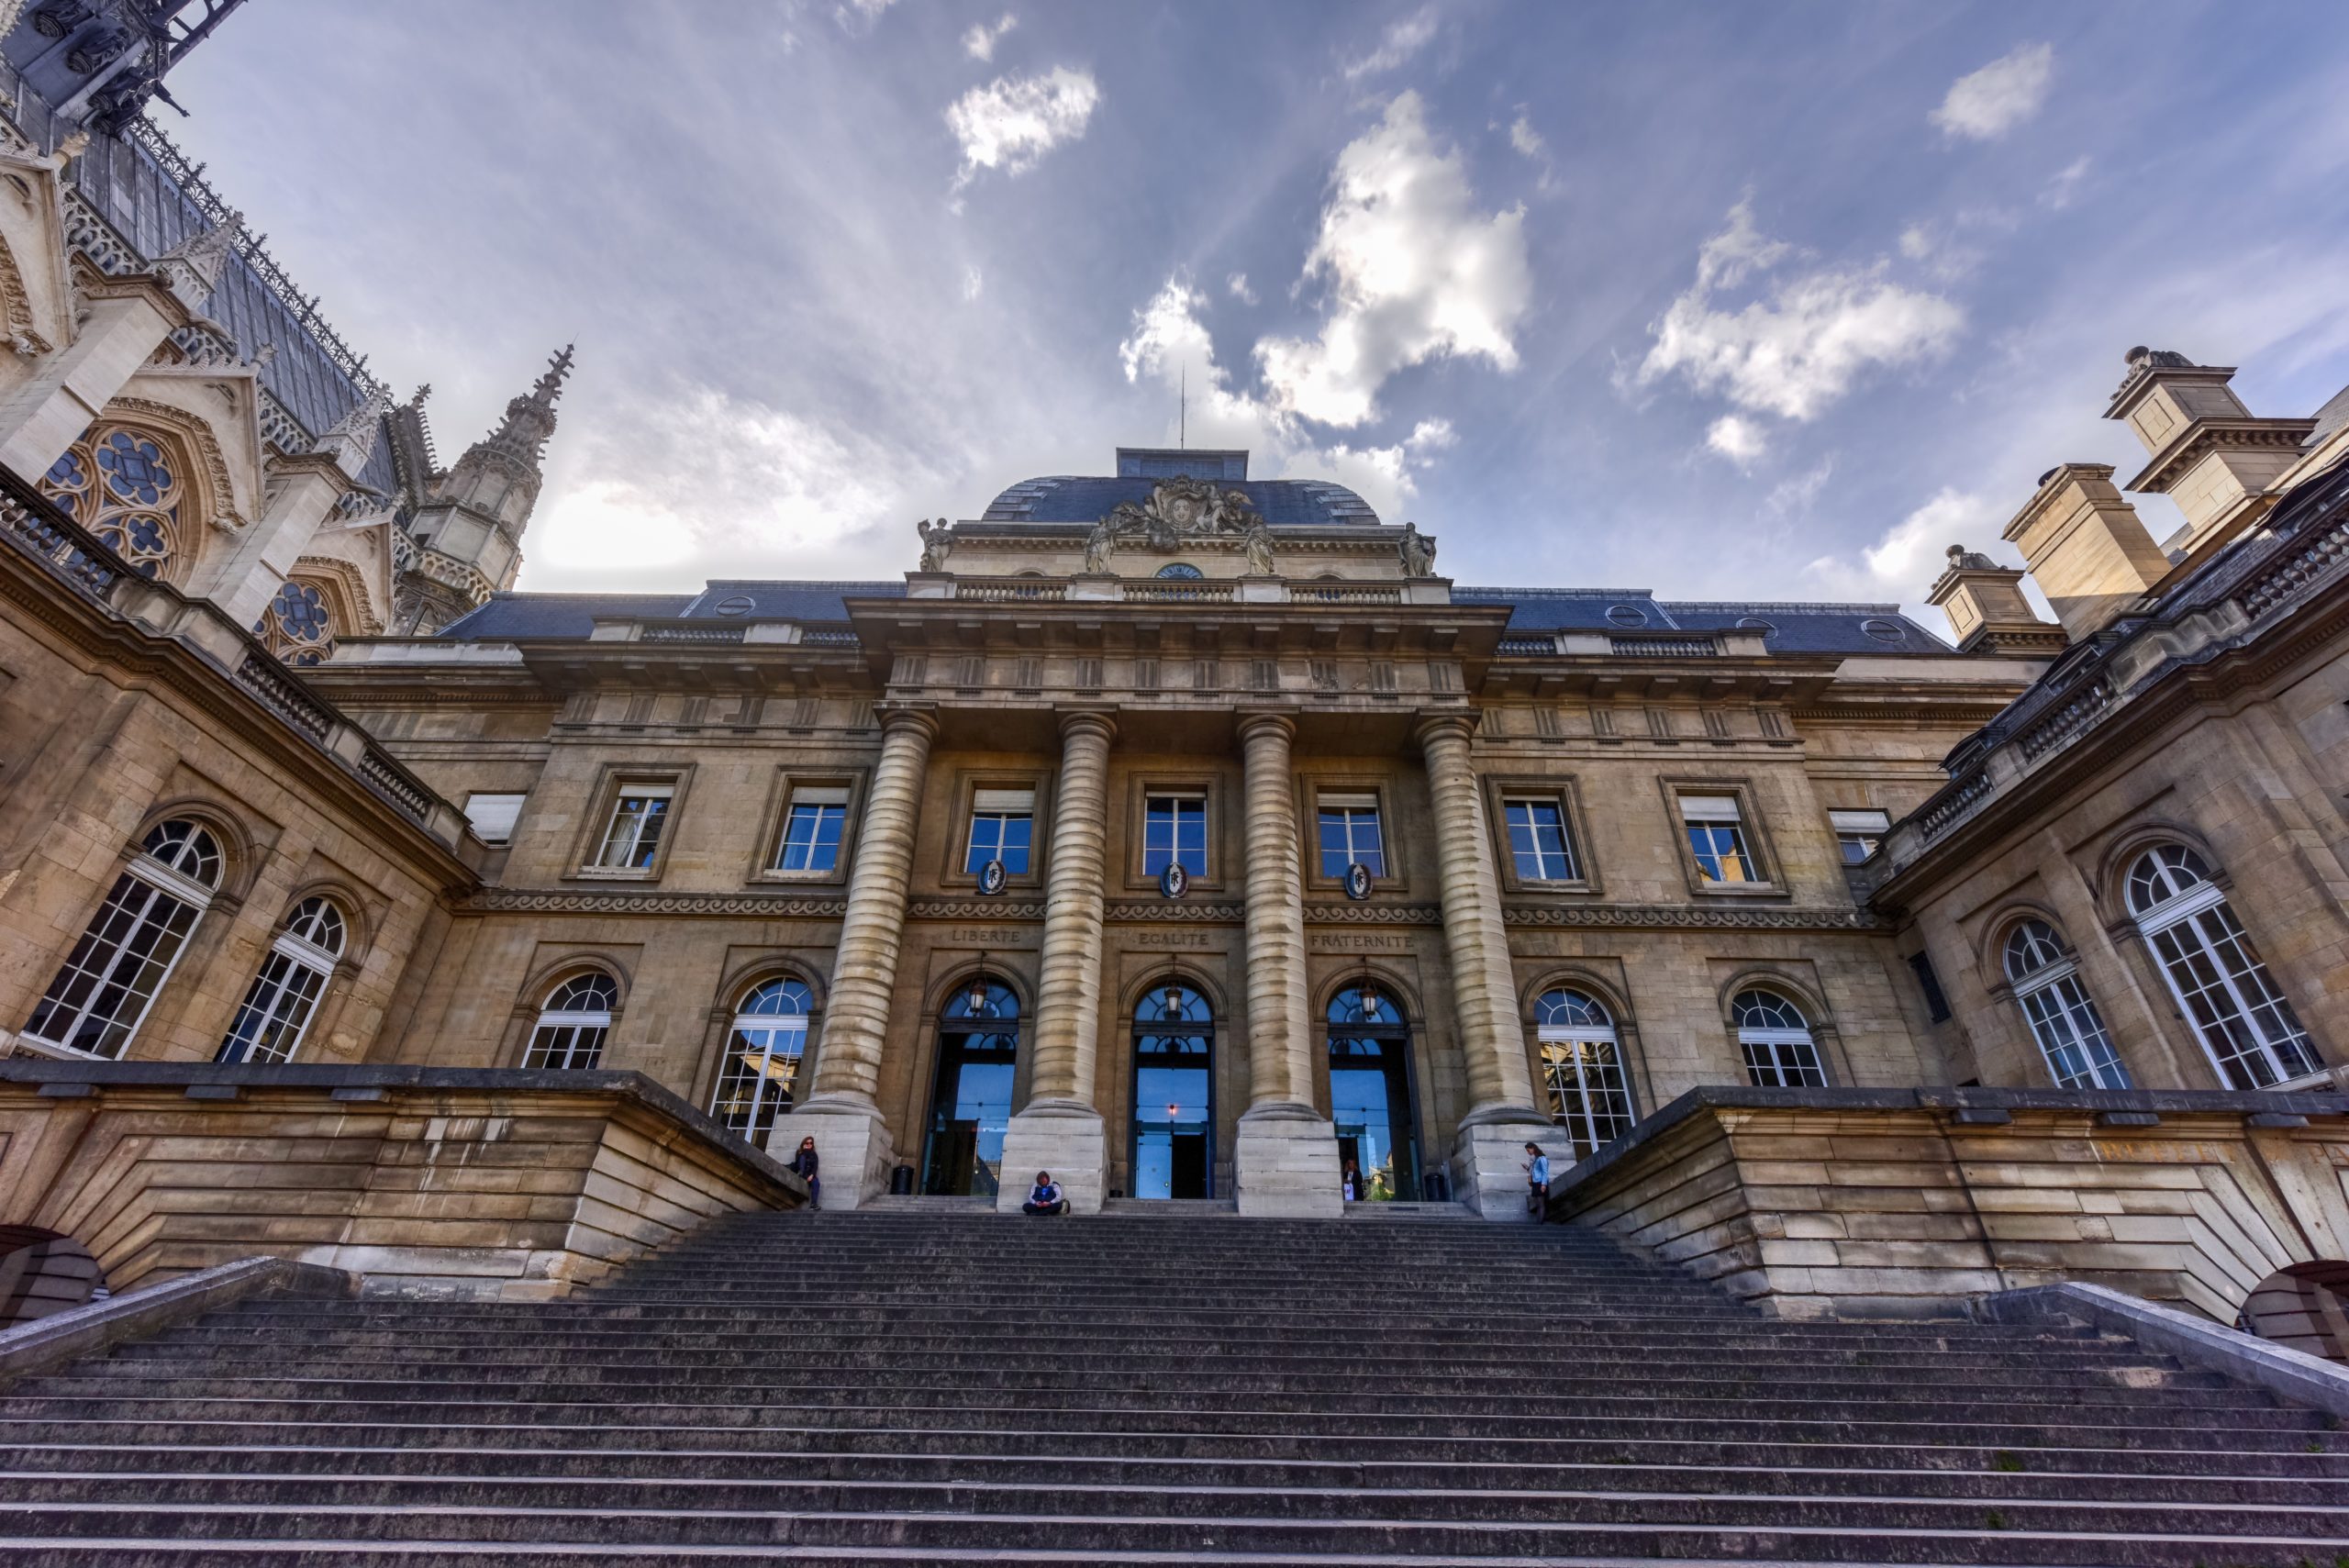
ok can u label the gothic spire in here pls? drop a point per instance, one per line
(530, 419)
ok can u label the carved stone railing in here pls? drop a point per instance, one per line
(2295, 569)
(1177, 590)
(831, 638)
(205, 343)
(87, 230)
(283, 694)
(1522, 646)
(80, 559)
(1663, 646)
(692, 632)
(1346, 593)
(1952, 804)
(397, 785)
(1003, 590)
(2067, 722)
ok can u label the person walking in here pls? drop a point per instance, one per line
(1537, 1183)
(804, 1163)
(1045, 1197)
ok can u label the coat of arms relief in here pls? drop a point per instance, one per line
(1180, 511)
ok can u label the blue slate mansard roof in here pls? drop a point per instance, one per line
(1067, 498)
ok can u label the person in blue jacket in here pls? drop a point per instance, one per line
(1537, 1180)
(1045, 1197)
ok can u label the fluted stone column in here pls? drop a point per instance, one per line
(1286, 1157)
(1488, 1152)
(1060, 1129)
(851, 1136)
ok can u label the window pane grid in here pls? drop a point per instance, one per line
(277, 1010)
(1585, 1079)
(761, 1074)
(1175, 831)
(1720, 848)
(2249, 1029)
(634, 836)
(566, 1045)
(109, 979)
(1538, 842)
(811, 837)
(1000, 835)
(1782, 1062)
(1350, 833)
(2072, 1037)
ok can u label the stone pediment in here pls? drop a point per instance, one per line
(1184, 509)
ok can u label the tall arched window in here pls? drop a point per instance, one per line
(573, 1023)
(1779, 1051)
(1173, 1119)
(1582, 1065)
(118, 482)
(1371, 1102)
(764, 1050)
(2062, 1016)
(277, 1010)
(297, 627)
(126, 953)
(2249, 1029)
(969, 1099)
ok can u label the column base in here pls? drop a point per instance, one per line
(1489, 1161)
(1285, 1164)
(854, 1151)
(1070, 1141)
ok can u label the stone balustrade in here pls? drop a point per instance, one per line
(478, 1184)
(1909, 1202)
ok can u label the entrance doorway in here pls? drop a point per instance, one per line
(1370, 1091)
(1173, 1120)
(970, 1110)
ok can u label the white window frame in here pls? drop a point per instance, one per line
(1781, 1053)
(1186, 804)
(625, 837)
(1590, 1055)
(754, 1042)
(575, 1024)
(1358, 806)
(290, 982)
(1000, 806)
(1568, 867)
(2063, 1017)
(819, 798)
(2183, 912)
(1857, 826)
(155, 884)
(1710, 815)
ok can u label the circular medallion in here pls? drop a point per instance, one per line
(1357, 880)
(1174, 881)
(992, 878)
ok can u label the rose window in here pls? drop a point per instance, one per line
(297, 627)
(118, 484)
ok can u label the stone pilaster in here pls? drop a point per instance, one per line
(1060, 1127)
(851, 1137)
(1488, 1152)
(1286, 1157)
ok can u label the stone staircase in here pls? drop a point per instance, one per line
(951, 1387)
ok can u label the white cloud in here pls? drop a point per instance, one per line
(1525, 139)
(1400, 41)
(1984, 104)
(1415, 272)
(1170, 343)
(980, 41)
(1905, 561)
(860, 15)
(1738, 438)
(1803, 347)
(973, 282)
(1009, 124)
(1796, 495)
(1237, 285)
(2059, 192)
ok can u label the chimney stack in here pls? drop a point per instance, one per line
(2209, 454)
(1987, 611)
(2086, 548)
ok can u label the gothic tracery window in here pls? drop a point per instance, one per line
(297, 627)
(117, 483)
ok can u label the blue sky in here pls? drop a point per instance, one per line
(1730, 301)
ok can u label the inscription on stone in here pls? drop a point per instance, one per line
(992, 936)
(1354, 941)
(1176, 939)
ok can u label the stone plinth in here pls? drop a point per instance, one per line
(1489, 1165)
(1907, 1202)
(1068, 1141)
(478, 1184)
(1285, 1164)
(855, 1156)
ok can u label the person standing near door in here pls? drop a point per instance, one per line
(1351, 1182)
(804, 1163)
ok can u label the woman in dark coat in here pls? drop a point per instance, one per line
(804, 1163)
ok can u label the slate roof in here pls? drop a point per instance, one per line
(1788, 628)
(1067, 498)
(510, 616)
(783, 601)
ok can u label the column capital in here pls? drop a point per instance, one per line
(1255, 719)
(1434, 722)
(908, 715)
(1074, 720)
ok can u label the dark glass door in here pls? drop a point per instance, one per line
(1173, 1120)
(970, 1107)
(1370, 1093)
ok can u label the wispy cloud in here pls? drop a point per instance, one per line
(1525, 139)
(1800, 348)
(1396, 45)
(1237, 287)
(1738, 438)
(980, 41)
(1907, 559)
(1009, 124)
(2063, 188)
(1415, 272)
(1984, 104)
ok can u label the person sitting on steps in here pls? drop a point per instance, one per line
(804, 1163)
(1045, 1197)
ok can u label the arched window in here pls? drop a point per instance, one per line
(297, 626)
(1174, 1119)
(1180, 572)
(764, 1050)
(117, 483)
(2249, 1029)
(1371, 1101)
(277, 1010)
(2062, 1016)
(1776, 1037)
(1582, 1064)
(573, 1023)
(126, 953)
(970, 1100)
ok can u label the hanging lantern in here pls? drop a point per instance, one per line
(975, 1003)
(1172, 1002)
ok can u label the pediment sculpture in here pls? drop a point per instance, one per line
(1183, 509)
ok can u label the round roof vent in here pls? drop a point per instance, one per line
(736, 604)
(1884, 630)
(1626, 614)
(1755, 623)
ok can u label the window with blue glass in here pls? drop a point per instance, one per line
(1717, 838)
(1175, 832)
(1003, 828)
(812, 829)
(1538, 842)
(1350, 833)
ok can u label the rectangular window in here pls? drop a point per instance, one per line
(811, 830)
(1174, 831)
(634, 836)
(1718, 839)
(1538, 842)
(1003, 828)
(1858, 833)
(492, 816)
(1930, 985)
(1350, 833)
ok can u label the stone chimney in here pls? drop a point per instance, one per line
(1987, 613)
(2209, 455)
(2086, 548)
